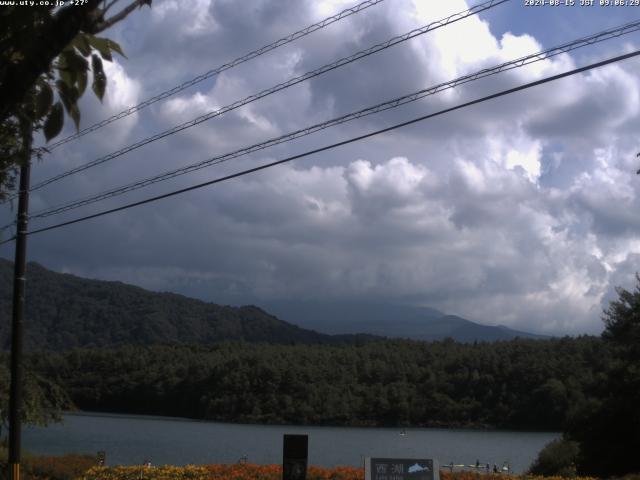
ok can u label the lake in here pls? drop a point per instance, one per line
(130, 440)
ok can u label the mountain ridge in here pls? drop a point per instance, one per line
(391, 320)
(65, 311)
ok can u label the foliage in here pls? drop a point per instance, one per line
(65, 312)
(60, 88)
(43, 400)
(217, 472)
(45, 60)
(629, 476)
(608, 428)
(622, 324)
(169, 361)
(466, 475)
(557, 458)
(36, 467)
(388, 383)
(65, 467)
(267, 472)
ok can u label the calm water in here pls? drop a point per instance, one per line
(129, 439)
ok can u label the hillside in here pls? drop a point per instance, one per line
(390, 320)
(526, 384)
(64, 311)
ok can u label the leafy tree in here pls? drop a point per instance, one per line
(45, 56)
(42, 402)
(556, 459)
(386, 383)
(622, 324)
(608, 429)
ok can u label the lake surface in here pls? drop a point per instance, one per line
(130, 440)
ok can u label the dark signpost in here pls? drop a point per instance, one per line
(17, 327)
(401, 469)
(295, 452)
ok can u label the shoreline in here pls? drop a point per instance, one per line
(488, 429)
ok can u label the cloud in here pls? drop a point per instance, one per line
(517, 211)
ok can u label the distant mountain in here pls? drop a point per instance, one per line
(391, 320)
(64, 311)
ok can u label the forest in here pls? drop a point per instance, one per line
(65, 312)
(518, 384)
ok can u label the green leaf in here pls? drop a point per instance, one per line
(16, 57)
(82, 44)
(64, 72)
(99, 78)
(116, 48)
(101, 45)
(44, 99)
(54, 122)
(74, 113)
(74, 61)
(67, 77)
(68, 95)
(81, 82)
(71, 65)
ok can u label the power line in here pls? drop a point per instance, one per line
(211, 73)
(390, 104)
(293, 81)
(338, 144)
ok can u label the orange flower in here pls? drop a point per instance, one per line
(248, 471)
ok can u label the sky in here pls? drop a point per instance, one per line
(520, 211)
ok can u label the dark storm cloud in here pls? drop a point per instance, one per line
(518, 211)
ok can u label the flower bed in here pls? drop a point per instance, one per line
(45, 467)
(216, 472)
(267, 472)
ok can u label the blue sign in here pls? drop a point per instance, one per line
(401, 469)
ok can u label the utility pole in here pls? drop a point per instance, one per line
(19, 281)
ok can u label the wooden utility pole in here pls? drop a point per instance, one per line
(19, 284)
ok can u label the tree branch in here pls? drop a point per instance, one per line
(106, 7)
(100, 26)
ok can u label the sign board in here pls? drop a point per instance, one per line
(295, 453)
(401, 469)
